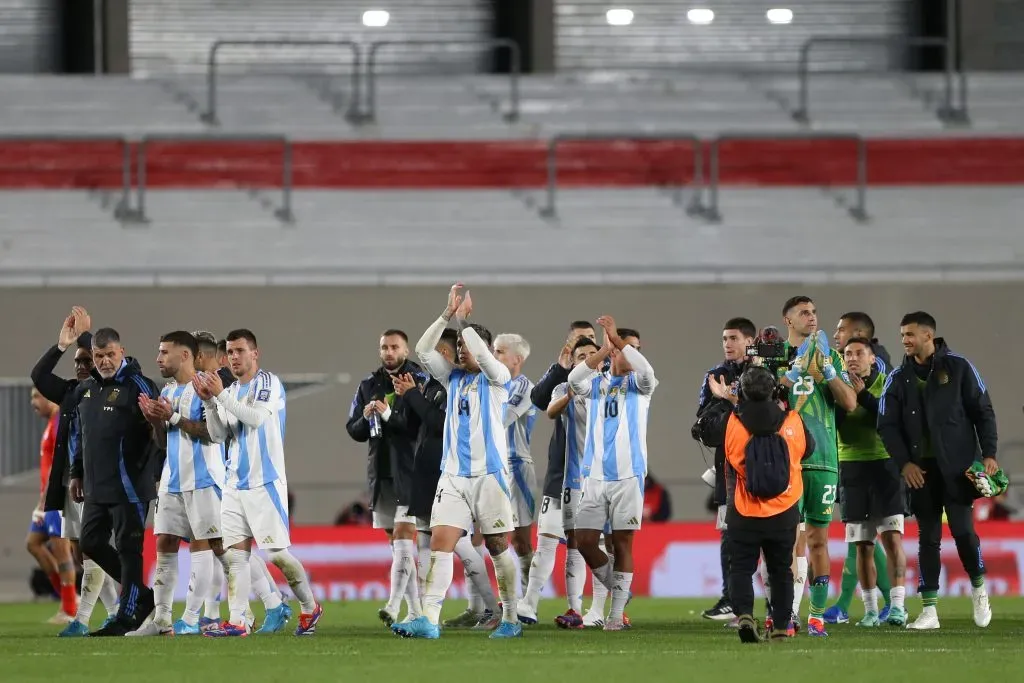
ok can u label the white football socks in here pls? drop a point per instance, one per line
(476, 575)
(439, 579)
(600, 589)
(261, 585)
(762, 571)
(870, 598)
(505, 573)
(203, 569)
(93, 579)
(621, 582)
(218, 590)
(239, 584)
(525, 563)
(897, 594)
(403, 573)
(163, 587)
(540, 570)
(295, 574)
(423, 561)
(575, 578)
(799, 581)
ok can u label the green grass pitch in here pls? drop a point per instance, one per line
(669, 642)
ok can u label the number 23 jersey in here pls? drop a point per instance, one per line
(812, 399)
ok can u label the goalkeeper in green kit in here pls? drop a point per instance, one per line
(817, 384)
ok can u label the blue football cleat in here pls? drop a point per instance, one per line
(183, 629)
(75, 629)
(228, 630)
(307, 622)
(420, 627)
(884, 614)
(836, 615)
(206, 623)
(109, 620)
(816, 628)
(507, 629)
(274, 620)
(287, 611)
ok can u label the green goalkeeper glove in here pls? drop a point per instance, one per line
(988, 485)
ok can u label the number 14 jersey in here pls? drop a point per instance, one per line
(474, 431)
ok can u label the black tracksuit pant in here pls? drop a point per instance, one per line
(745, 545)
(123, 561)
(927, 504)
(723, 553)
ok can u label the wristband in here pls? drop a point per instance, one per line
(62, 349)
(175, 419)
(793, 374)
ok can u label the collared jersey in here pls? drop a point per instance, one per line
(475, 442)
(616, 446)
(256, 454)
(190, 464)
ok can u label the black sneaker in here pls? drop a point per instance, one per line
(722, 611)
(114, 629)
(748, 630)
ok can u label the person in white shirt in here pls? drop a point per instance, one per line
(512, 350)
(189, 493)
(615, 457)
(255, 504)
(473, 489)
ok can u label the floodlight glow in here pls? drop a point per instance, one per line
(780, 16)
(376, 18)
(700, 16)
(619, 17)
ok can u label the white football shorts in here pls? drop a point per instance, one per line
(194, 515)
(71, 519)
(386, 511)
(620, 503)
(865, 532)
(570, 507)
(483, 501)
(260, 514)
(549, 523)
(524, 483)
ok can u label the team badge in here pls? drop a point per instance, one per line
(943, 377)
(113, 395)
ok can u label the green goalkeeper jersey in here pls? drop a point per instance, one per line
(858, 435)
(811, 397)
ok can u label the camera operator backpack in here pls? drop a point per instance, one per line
(767, 465)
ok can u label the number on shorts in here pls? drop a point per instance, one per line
(804, 386)
(463, 406)
(544, 505)
(611, 408)
(567, 496)
(829, 496)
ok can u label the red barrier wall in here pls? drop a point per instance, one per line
(513, 164)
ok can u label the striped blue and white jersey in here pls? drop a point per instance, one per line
(574, 420)
(475, 443)
(256, 451)
(190, 464)
(520, 416)
(617, 410)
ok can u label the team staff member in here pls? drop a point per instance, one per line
(113, 472)
(936, 419)
(376, 417)
(764, 446)
(737, 336)
(859, 324)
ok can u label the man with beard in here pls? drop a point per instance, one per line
(376, 417)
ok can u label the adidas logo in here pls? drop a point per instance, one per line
(632, 521)
(267, 540)
(570, 575)
(499, 524)
(158, 582)
(212, 530)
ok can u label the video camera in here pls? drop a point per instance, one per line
(769, 351)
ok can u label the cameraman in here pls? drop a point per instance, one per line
(737, 336)
(764, 445)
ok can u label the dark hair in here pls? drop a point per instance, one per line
(450, 337)
(242, 333)
(743, 325)
(861, 340)
(484, 333)
(391, 332)
(863, 321)
(581, 325)
(795, 301)
(222, 346)
(104, 337)
(584, 341)
(624, 332)
(757, 384)
(182, 338)
(85, 341)
(919, 318)
(205, 341)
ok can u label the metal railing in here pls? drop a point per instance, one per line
(550, 210)
(946, 112)
(369, 113)
(283, 213)
(123, 205)
(210, 115)
(858, 211)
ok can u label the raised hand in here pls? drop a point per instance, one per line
(200, 387)
(454, 300)
(66, 338)
(83, 323)
(611, 334)
(565, 355)
(465, 308)
(403, 383)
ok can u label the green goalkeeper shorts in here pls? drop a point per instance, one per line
(819, 497)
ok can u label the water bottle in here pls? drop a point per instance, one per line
(374, 421)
